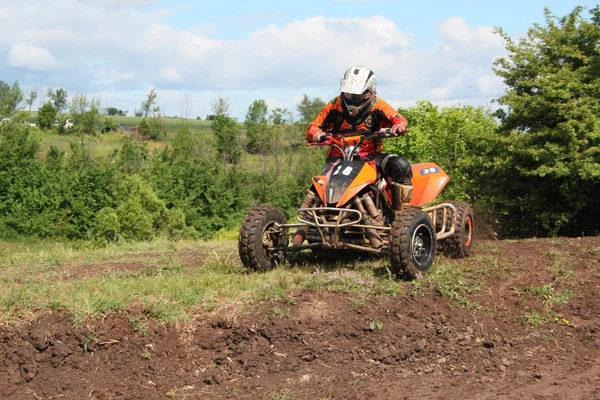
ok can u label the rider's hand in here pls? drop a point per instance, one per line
(399, 129)
(319, 137)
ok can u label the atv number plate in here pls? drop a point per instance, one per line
(347, 171)
(431, 170)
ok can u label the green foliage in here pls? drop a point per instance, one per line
(549, 173)
(112, 111)
(449, 137)
(11, 98)
(227, 132)
(107, 227)
(139, 209)
(87, 187)
(58, 98)
(208, 192)
(133, 155)
(109, 125)
(153, 128)
(31, 98)
(18, 171)
(258, 132)
(148, 102)
(85, 114)
(280, 116)
(309, 108)
(46, 116)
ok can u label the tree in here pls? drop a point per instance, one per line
(309, 108)
(112, 111)
(11, 98)
(85, 114)
(551, 126)
(279, 116)
(257, 129)
(153, 127)
(226, 131)
(46, 116)
(148, 102)
(58, 98)
(219, 107)
(32, 96)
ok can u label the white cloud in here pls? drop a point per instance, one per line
(120, 3)
(490, 84)
(112, 46)
(456, 29)
(126, 76)
(440, 92)
(31, 57)
(171, 75)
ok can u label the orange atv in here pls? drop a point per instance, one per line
(351, 207)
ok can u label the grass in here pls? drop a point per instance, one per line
(452, 282)
(102, 145)
(171, 281)
(171, 124)
(161, 281)
(559, 264)
(549, 295)
(533, 318)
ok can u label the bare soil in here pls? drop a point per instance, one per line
(321, 345)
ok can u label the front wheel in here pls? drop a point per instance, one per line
(412, 243)
(259, 234)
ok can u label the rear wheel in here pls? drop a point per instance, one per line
(259, 233)
(460, 244)
(412, 243)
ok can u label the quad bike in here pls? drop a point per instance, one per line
(353, 207)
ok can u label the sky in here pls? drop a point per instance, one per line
(195, 52)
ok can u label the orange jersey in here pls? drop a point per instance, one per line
(331, 118)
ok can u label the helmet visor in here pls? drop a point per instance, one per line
(357, 99)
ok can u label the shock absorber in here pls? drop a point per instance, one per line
(302, 230)
(370, 233)
(373, 211)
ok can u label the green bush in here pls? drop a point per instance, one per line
(46, 116)
(153, 128)
(448, 137)
(107, 227)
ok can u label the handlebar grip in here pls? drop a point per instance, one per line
(325, 138)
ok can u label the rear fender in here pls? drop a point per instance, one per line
(428, 181)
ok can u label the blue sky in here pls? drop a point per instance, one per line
(237, 19)
(116, 50)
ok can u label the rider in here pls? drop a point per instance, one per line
(358, 108)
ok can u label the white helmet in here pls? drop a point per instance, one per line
(358, 89)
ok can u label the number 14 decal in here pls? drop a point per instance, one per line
(346, 170)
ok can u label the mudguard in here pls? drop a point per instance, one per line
(344, 181)
(428, 181)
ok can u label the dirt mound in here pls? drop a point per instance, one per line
(319, 345)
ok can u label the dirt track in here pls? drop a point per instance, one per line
(321, 345)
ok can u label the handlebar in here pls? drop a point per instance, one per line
(364, 135)
(350, 148)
